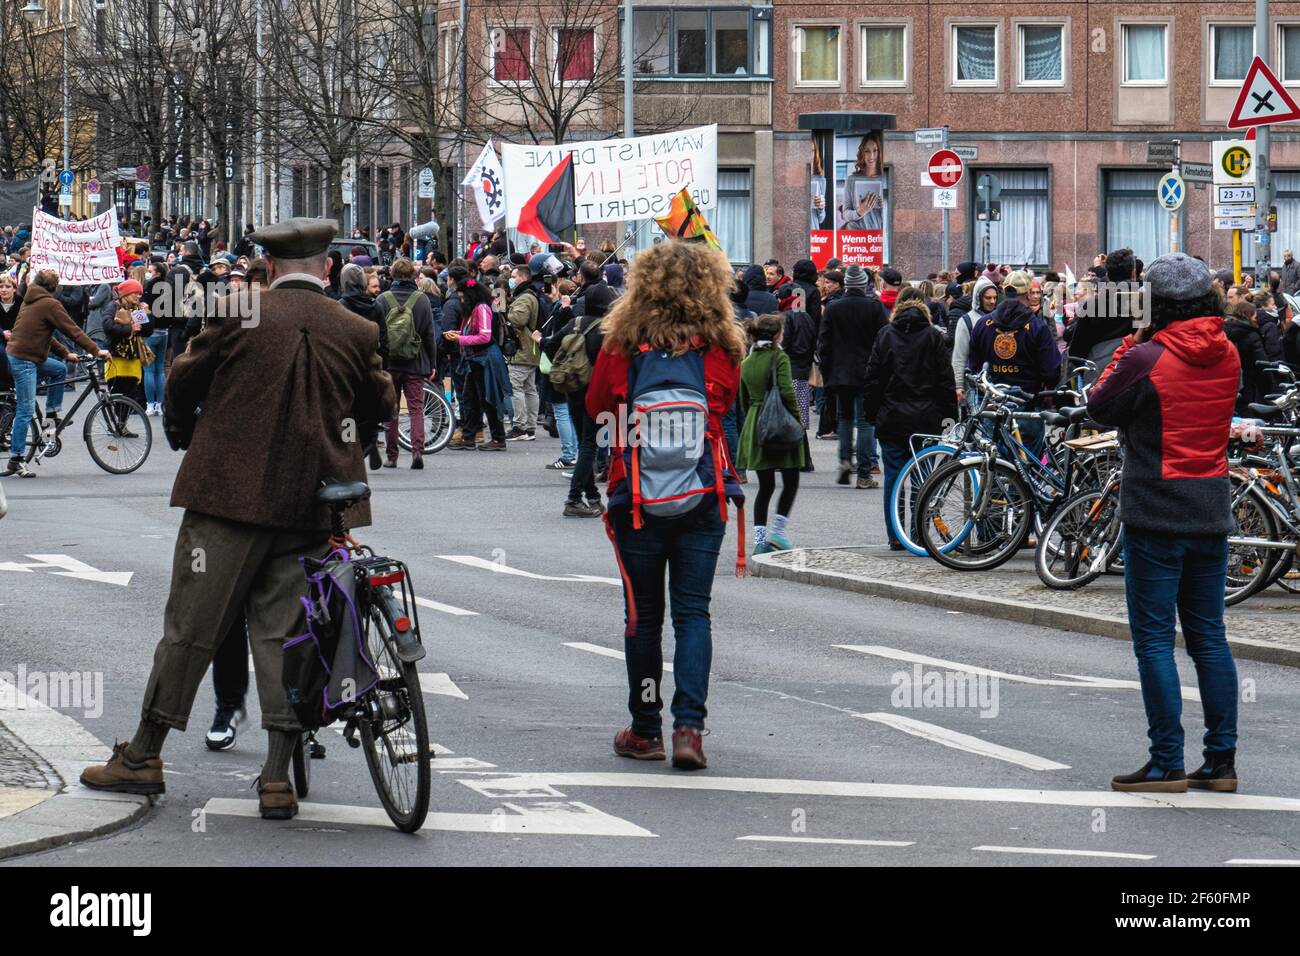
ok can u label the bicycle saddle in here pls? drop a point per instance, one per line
(345, 493)
(1264, 411)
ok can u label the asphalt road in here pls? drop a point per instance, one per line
(810, 759)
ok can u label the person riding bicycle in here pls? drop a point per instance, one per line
(28, 353)
(1019, 349)
(248, 486)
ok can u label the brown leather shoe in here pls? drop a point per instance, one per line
(629, 744)
(492, 446)
(277, 801)
(122, 776)
(688, 749)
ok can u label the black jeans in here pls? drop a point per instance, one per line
(474, 405)
(583, 481)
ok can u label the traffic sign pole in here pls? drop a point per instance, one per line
(944, 145)
(1264, 178)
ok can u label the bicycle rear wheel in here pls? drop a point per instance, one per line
(394, 729)
(946, 523)
(439, 422)
(903, 499)
(301, 767)
(118, 434)
(1078, 542)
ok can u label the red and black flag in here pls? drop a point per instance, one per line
(549, 212)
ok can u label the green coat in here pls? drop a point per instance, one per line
(755, 380)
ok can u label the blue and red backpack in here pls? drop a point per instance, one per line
(672, 456)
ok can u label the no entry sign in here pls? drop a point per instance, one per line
(945, 168)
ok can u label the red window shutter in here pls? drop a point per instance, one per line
(575, 55)
(511, 58)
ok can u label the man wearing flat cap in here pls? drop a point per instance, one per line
(269, 406)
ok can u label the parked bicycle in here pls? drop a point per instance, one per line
(116, 429)
(439, 421)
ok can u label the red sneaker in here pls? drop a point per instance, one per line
(688, 749)
(629, 744)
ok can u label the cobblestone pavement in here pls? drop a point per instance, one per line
(1269, 617)
(21, 767)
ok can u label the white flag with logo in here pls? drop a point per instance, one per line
(486, 180)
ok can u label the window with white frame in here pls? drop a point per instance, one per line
(817, 54)
(1146, 53)
(884, 55)
(1022, 232)
(511, 49)
(575, 55)
(975, 54)
(1042, 54)
(451, 56)
(1289, 50)
(1232, 47)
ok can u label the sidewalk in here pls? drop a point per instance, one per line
(1264, 628)
(42, 752)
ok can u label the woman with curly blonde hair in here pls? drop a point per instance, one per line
(670, 340)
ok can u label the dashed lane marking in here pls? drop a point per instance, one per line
(1245, 862)
(445, 608)
(825, 840)
(497, 567)
(1075, 680)
(605, 652)
(507, 785)
(1044, 851)
(959, 741)
(536, 818)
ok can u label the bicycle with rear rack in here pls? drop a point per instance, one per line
(385, 719)
(116, 430)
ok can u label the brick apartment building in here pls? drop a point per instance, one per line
(1060, 98)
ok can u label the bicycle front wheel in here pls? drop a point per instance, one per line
(1078, 542)
(118, 434)
(1249, 568)
(903, 498)
(394, 729)
(439, 422)
(946, 522)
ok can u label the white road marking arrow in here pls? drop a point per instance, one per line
(441, 684)
(71, 568)
(497, 567)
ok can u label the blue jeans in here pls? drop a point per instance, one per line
(731, 431)
(850, 409)
(564, 425)
(687, 548)
(154, 376)
(1164, 575)
(894, 457)
(26, 376)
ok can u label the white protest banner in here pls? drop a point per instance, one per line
(620, 179)
(84, 253)
(485, 179)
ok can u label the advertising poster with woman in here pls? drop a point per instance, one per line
(860, 205)
(848, 217)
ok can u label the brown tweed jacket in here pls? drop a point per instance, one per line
(278, 405)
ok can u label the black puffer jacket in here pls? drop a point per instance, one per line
(910, 386)
(1250, 349)
(799, 339)
(363, 304)
(1270, 331)
(759, 300)
(804, 276)
(849, 328)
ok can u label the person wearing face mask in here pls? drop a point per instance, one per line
(985, 299)
(126, 336)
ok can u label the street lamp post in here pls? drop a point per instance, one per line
(33, 12)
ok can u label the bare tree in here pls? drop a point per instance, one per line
(31, 67)
(544, 72)
(317, 53)
(125, 75)
(421, 108)
(216, 67)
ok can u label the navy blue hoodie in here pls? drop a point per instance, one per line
(1018, 346)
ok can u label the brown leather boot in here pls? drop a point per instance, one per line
(122, 776)
(277, 801)
(688, 749)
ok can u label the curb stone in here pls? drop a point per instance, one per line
(1021, 612)
(74, 813)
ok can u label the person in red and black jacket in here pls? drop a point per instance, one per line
(678, 302)
(1171, 390)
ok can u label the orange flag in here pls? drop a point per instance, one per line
(685, 221)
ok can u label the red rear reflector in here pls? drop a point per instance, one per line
(403, 624)
(390, 578)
